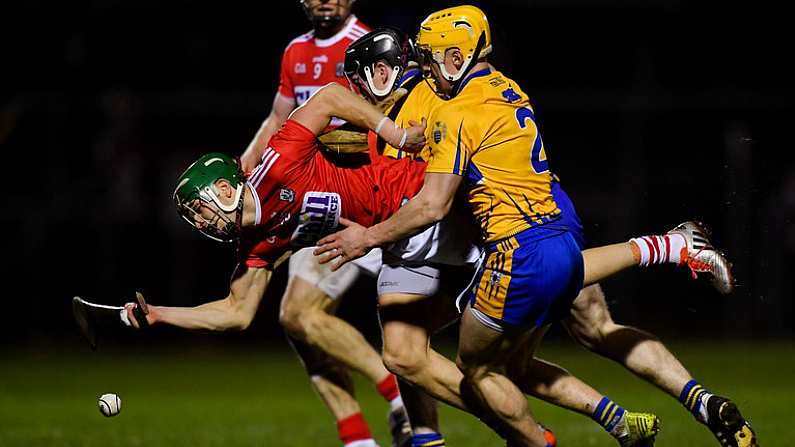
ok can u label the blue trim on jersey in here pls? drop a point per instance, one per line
(529, 205)
(531, 115)
(521, 211)
(485, 72)
(456, 170)
(473, 174)
(408, 75)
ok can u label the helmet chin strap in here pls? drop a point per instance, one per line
(381, 92)
(226, 208)
(455, 77)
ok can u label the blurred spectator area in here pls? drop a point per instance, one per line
(652, 113)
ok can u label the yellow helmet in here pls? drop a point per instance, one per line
(463, 27)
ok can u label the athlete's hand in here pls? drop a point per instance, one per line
(151, 317)
(415, 137)
(344, 245)
(248, 161)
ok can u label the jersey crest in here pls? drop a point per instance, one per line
(439, 132)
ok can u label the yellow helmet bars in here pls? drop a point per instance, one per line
(463, 27)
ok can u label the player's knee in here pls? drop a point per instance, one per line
(293, 322)
(587, 336)
(402, 360)
(590, 323)
(472, 371)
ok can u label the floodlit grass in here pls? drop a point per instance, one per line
(259, 397)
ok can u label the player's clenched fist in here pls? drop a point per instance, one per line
(139, 314)
(415, 138)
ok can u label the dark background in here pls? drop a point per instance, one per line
(652, 112)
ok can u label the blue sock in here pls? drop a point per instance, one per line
(427, 440)
(691, 397)
(607, 414)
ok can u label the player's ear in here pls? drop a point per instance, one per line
(224, 188)
(382, 71)
(456, 56)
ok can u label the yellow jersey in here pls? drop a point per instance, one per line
(417, 104)
(488, 134)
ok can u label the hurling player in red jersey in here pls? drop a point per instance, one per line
(327, 345)
(296, 195)
(310, 61)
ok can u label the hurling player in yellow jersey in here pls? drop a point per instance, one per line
(486, 133)
(370, 65)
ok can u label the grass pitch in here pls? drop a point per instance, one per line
(227, 396)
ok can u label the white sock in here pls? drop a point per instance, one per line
(396, 403)
(362, 443)
(660, 249)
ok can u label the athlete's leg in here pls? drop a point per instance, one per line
(306, 314)
(310, 300)
(483, 354)
(408, 354)
(642, 353)
(645, 355)
(550, 382)
(329, 378)
(603, 262)
(407, 322)
(688, 244)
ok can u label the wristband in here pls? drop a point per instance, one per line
(403, 140)
(381, 124)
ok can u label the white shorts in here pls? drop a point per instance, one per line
(412, 265)
(304, 264)
(450, 241)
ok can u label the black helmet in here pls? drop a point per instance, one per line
(327, 21)
(387, 44)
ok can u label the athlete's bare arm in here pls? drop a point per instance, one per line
(282, 106)
(334, 100)
(235, 312)
(429, 206)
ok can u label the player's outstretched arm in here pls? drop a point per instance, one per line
(282, 106)
(334, 100)
(235, 312)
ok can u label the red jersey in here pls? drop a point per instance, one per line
(301, 194)
(309, 63)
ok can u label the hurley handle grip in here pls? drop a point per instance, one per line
(140, 311)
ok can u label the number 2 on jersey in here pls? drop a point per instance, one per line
(539, 166)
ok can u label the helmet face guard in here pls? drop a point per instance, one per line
(197, 200)
(326, 21)
(388, 45)
(205, 216)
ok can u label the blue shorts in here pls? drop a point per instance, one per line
(568, 216)
(529, 279)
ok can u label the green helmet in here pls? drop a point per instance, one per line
(196, 190)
